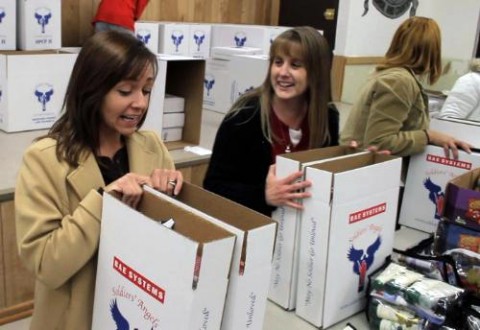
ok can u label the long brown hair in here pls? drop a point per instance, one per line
(316, 56)
(105, 59)
(416, 45)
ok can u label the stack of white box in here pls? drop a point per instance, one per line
(173, 118)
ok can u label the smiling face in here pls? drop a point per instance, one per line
(125, 105)
(288, 74)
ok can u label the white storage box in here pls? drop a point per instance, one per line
(462, 129)
(283, 282)
(200, 40)
(32, 88)
(427, 177)
(247, 72)
(251, 264)
(173, 119)
(217, 86)
(39, 24)
(8, 25)
(226, 53)
(173, 103)
(172, 134)
(238, 35)
(149, 33)
(156, 277)
(347, 231)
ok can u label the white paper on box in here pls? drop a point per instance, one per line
(149, 280)
(283, 282)
(348, 219)
(8, 25)
(427, 177)
(32, 88)
(247, 291)
(39, 24)
(461, 129)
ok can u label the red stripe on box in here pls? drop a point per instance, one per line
(448, 162)
(367, 213)
(139, 280)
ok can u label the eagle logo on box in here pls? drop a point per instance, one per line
(363, 260)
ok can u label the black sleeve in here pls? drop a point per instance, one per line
(240, 161)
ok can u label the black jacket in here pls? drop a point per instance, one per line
(242, 156)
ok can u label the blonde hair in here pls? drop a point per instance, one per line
(313, 48)
(416, 45)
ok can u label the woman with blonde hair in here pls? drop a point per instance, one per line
(289, 112)
(391, 112)
(463, 100)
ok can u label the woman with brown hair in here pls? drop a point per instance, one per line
(391, 112)
(289, 112)
(94, 146)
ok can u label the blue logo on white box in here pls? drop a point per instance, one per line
(177, 37)
(240, 38)
(144, 36)
(2, 14)
(44, 93)
(209, 81)
(199, 36)
(43, 16)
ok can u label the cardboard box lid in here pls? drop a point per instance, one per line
(319, 153)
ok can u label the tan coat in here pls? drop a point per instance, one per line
(391, 113)
(58, 213)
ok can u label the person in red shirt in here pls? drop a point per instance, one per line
(118, 15)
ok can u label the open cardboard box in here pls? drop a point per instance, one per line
(156, 277)
(283, 282)
(347, 231)
(246, 300)
(462, 201)
(182, 77)
(427, 178)
(462, 129)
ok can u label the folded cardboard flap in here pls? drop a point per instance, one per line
(186, 223)
(466, 180)
(350, 163)
(320, 153)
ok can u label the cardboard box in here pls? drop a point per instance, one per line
(247, 72)
(283, 282)
(174, 38)
(226, 53)
(238, 35)
(462, 129)
(32, 88)
(427, 177)
(39, 24)
(347, 231)
(251, 264)
(217, 86)
(8, 25)
(173, 119)
(200, 40)
(156, 277)
(172, 74)
(172, 134)
(462, 201)
(173, 103)
(149, 33)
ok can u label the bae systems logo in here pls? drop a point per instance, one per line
(43, 16)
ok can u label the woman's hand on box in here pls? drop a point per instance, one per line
(354, 144)
(129, 187)
(449, 144)
(167, 181)
(286, 191)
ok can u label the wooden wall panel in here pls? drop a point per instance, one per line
(77, 14)
(19, 283)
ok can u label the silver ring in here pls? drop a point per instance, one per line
(172, 182)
